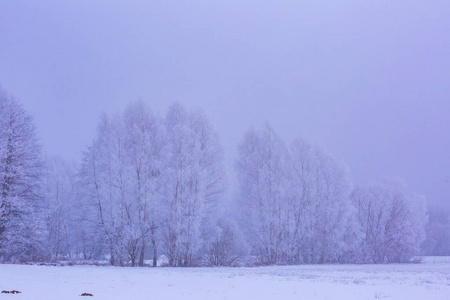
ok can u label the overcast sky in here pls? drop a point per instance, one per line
(367, 80)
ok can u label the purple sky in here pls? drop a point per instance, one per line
(367, 80)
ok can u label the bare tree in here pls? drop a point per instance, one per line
(145, 145)
(392, 220)
(320, 205)
(264, 175)
(105, 184)
(227, 246)
(294, 201)
(61, 207)
(194, 182)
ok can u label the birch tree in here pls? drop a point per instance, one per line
(61, 208)
(105, 185)
(320, 206)
(264, 176)
(295, 202)
(194, 182)
(145, 147)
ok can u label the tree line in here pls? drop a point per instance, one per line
(152, 189)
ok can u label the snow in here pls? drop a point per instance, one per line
(427, 280)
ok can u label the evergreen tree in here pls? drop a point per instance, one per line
(21, 227)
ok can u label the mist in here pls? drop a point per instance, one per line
(369, 82)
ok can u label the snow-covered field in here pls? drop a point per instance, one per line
(428, 280)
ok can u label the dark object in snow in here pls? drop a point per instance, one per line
(11, 292)
(86, 294)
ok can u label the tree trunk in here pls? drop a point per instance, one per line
(155, 251)
(141, 256)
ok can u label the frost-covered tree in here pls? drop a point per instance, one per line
(144, 146)
(194, 181)
(62, 208)
(263, 171)
(224, 243)
(104, 184)
(437, 233)
(21, 229)
(391, 219)
(149, 181)
(294, 202)
(319, 207)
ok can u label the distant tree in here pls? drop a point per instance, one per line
(194, 182)
(263, 171)
(392, 220)
(224, 244)
(294, 201)
(21, 227)
(61, 208)
(144, 149)
(437, 240)
(319, 208)
(103, 182)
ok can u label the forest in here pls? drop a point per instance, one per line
(152, 189)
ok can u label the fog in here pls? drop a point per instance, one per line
(368, 81)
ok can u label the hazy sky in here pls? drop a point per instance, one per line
(367, 80)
